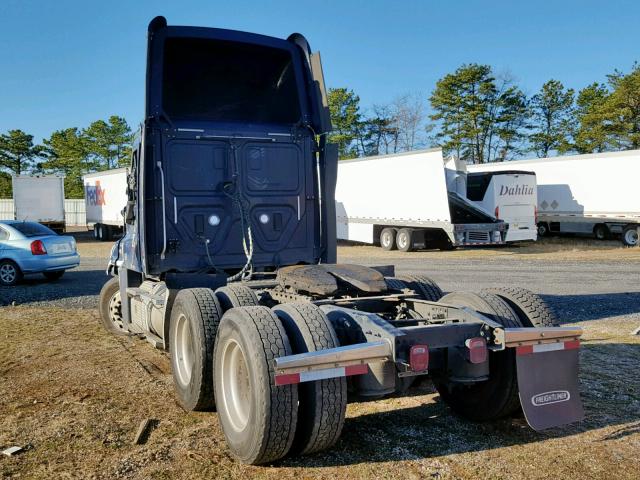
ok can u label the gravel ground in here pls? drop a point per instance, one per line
(582, 281)
(75, 401)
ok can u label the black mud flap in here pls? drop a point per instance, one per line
(548, 384)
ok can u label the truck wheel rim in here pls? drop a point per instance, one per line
(631, 236)
(402, 241)
(386, 239)
(7, 273)
(236, 387)
(184, 351)
(115, 310)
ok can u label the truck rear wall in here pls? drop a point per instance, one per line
(105, 196)
(405, 188)
(39, 199)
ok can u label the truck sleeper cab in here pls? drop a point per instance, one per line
(229, 263)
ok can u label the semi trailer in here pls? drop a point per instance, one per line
(592, 194)
(40, 199)
(401, 201)
(228, 262)
(105, 196)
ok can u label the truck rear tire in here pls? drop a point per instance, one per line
(531, 309)
(322, 403)
(388, 239)
(630, 236)
(110, 307)
(423, 286)
(195, 317)
(231, 296)
(404, 240)
(257, 417)
(498, 396)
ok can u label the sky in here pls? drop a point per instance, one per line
(66, 63)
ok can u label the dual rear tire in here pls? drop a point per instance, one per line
(497, 397)
(400, 239)
(226, 361)
(263, 422)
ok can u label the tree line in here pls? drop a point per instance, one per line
(71, 152)
(473, 113)
(484, 117)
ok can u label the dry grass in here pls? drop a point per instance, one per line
(75, 395)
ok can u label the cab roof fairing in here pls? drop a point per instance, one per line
(296, 45)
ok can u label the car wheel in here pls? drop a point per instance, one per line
(543, 229)
(10, 273)
(53, 275)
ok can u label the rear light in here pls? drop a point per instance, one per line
(419, 358)
(497, 212)
(37, 248)
(477, 347)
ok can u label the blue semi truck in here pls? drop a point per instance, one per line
(228, 261)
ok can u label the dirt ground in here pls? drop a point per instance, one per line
(73, 396)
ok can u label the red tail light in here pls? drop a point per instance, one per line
(477, 349)
(419, 358)
(497, 212)
(37, 248)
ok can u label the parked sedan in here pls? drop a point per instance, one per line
(29, 247)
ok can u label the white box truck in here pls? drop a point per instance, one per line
(401, 201)
(510, 195)
(105, 196)
(40, 199)
(585, 194)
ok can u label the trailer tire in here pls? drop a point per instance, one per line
(232, 296)
(601, 232)
(195, 317)
(630, 236)
(423, 286)
(498, 396)
(388, 239)
(404, 240)
(110, 307)
(531, 309)
(257, 417)
(322, 403)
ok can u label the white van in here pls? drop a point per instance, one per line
(511, 195)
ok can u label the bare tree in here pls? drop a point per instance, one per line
(409, 115)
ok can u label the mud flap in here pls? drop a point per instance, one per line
(548, 384)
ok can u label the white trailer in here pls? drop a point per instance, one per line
(401, 201)
(40, 199)
(105, 196)
(585, 194)
(510, 195)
